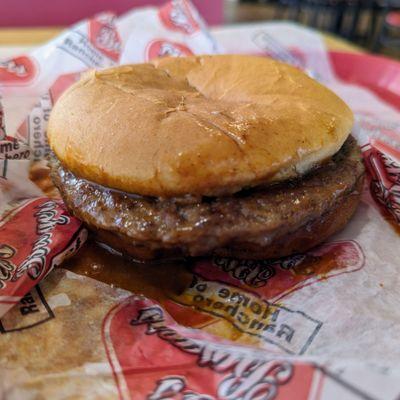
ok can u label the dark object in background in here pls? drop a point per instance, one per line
(337, 16)
(388, 36)
(374, 23)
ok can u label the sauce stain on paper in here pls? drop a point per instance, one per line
(158, 281)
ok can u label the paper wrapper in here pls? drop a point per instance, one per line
(320, 325)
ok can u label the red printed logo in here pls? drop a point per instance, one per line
(154, 358)
(104, 36)
(34, 238)
(275, 279)
(19, 70)
(383, 164)
(166, 48)
(178, 16)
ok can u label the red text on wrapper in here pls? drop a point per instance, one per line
(35, 237)
(275, 279)
(153, 358)
(383, 164)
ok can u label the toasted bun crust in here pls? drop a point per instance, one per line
(206, 125)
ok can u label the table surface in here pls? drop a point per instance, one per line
(36, 36)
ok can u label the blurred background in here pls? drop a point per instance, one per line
(370, 24)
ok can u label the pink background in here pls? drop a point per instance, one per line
(65, 12)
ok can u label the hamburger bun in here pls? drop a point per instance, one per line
(204, 126)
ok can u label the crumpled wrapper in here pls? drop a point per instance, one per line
(79, 322)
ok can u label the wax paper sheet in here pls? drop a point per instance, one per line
(320, 325)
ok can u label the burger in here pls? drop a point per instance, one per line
(238, 156)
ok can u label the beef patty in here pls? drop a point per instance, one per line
(263, 222)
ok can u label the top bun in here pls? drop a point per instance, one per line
(206, 125)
